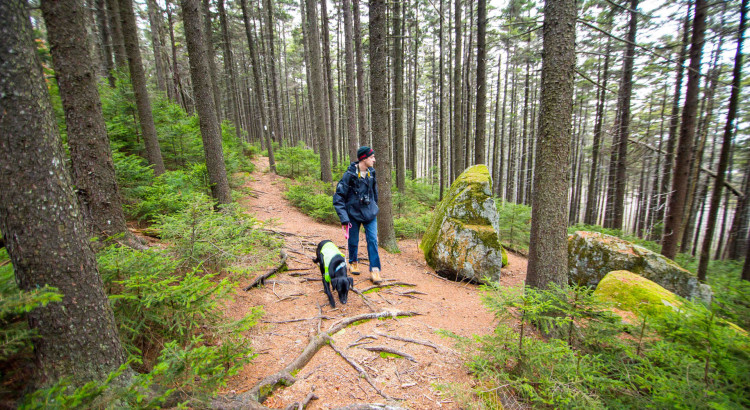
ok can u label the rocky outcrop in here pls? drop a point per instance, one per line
(462, 238)
(592, 255)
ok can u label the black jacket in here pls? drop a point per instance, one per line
(353, 194)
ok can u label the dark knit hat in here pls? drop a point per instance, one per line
(364, 152)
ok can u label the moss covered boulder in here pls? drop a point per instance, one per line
(462, 237)
(592, 255)
(634, 293)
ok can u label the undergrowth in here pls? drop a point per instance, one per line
(568, 350)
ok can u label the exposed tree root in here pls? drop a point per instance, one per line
(300, 406)
(261, 279)
(387, 285)
(386, 349)
(265, 387)
(360, 369)
(365, 299)
(406, 339)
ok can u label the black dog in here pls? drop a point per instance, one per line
(333, 270)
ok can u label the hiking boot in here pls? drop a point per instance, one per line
(354, 268)
(375, 276)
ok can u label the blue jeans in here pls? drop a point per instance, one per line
(371, 235)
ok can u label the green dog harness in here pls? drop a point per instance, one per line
(327, 253)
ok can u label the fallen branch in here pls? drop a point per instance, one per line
(261, 279)
(266, 387)
(406, 339)
(359, 368)
(386, 349)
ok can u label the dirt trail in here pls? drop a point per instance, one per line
(442, 305)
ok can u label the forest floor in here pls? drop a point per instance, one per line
(425, 383)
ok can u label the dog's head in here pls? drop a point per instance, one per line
(342, 284)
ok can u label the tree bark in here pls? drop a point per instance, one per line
(381, 143)
(725, 149)
(91, 158)
(672, 235)
(316, 72)
(41, 220)
(138, 79)
(548, 252)
(210, 130)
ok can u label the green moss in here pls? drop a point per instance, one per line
(633, 293)
(386, 355)
(505, 256)
(359, 322)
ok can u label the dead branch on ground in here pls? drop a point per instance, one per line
(261, 279)
(300, 406)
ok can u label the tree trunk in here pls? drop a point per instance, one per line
(208, 29)
(106, 41)
(725, 149)
(592, 193)
(381, 143)
(351, 97)
(736, 243)
(115, 27)
(548, 252)
(623, 132)
(258, 85)
(673, 223)
(156, 42)
(318, 94)
(673, 123)
(210, 130)
(398, 96)
(364, 134)
(481, 137)
(412, 162)
(272, 65)
(457, 157)
(328, 78)
(138, 79)
(232, 99)
(91, 158)
(442, 115)
(41, 221)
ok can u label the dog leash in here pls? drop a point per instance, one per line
(346, 236)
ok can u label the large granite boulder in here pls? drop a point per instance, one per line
(462, 238)
(634, 293)
(592, 255)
